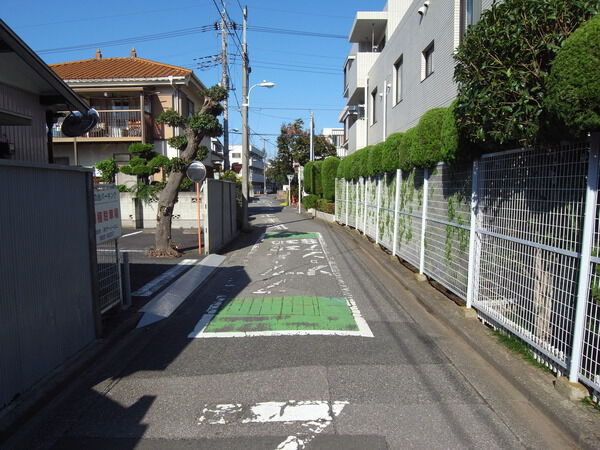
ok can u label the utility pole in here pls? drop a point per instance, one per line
(245, 137)
(225, 84)
(264, 165)
(312, 126)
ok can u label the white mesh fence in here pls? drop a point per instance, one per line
(109, 275)
(526, 247)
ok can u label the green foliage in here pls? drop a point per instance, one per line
(178, 142)
(362, 162)
(503, 64)
(206, 124)
(146, 192)
(325, 206)
(308, 177)
(186, 184)
(317, 182)
(427, 151)
(391, 152)
(375, 159)
(450, 144)
(216, 93)
(310, 201)
(122, 188)
(108, 170)
(139, 167)
(574, 83)
(145, 151)
(328, 174)
(407, 144)
(171, 117)
(231, 176)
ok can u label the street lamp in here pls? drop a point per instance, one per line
(246, 149)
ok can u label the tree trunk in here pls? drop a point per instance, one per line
(166, 201)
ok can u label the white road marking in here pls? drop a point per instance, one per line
(131, 234)
(154, 285)
(312, 416)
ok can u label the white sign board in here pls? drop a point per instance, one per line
(107, 206)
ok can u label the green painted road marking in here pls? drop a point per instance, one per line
(290, 235)
(265, 314)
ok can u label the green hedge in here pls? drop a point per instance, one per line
(375, 159)
(573, 98)
(308, 177)
(449, 135)
(316, 178)
(405, 149)
(391, 149)
(310, 201)
(427, 145)
(328, 173)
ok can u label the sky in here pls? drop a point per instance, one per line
(307, 70)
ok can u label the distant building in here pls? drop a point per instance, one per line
(401, 65)
(129, 94)
(256, 166)
(336, 137)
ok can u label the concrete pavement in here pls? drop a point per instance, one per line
(300, 340)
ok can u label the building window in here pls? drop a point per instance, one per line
(190, 108)
(236, 155)
(427, 61)
(398, 81)
(374, 106)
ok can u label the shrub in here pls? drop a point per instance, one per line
(108, 170)
(310, 201)
(362, 162)
(574, 83)
(325, 206)
(391, 149)
(449, 145)
(317, 184)
(341, 168)
(375, 159)
(427, 139)
(308, 177)
(502, 67)
(328, 174)
(406, 148)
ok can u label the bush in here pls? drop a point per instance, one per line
(362, 162)
(449, 135)
(406, 149)
(375, 161)
(325, 206)
(317, 183)
(108, 170)
(328, 174)
(341, 168)
(574, 83)
(310, 201)
(391, 149)
(308, 177)
(502, 67)
(427, 139)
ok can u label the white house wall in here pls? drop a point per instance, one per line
(410, 38)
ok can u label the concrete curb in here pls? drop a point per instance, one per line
(580, 424)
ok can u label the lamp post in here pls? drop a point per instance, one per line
(246, 149)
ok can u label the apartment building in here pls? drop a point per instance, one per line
(256, 166)
(336, 137)
(401, 65)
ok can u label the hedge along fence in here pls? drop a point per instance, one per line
(308, 178)
(316, 178)
(328, 174)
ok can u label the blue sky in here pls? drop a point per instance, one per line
(306, 69)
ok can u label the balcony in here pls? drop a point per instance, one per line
(357, 75)
(113, 125)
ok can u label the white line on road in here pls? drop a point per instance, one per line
(312, 416)
(153, 286)
(131, 234)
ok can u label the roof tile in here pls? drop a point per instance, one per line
(116, 68)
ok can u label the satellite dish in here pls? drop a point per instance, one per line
(77, 123)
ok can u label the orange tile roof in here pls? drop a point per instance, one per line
(116, 68)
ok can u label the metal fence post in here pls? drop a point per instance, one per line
(585, 262)
(357, 200)
(365, 207)
(473, 267)
(347, 199)
(424, 220)
(397, 210)
(378, 207)
(126, 296)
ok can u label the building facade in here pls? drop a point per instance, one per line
(129, 95)
(401, 65)
(256, 167)
(336, 137)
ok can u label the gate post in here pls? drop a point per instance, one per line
(473, 260)
(585, 261)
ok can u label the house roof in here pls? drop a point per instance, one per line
(117, 68)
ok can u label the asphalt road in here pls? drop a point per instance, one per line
(309, 343)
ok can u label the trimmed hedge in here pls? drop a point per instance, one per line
(573, 97)
(391, 150)
(406, 149)
(328, 173)
(375, 159)
(310, 201)
(427, 150)
(316, 178)
(449, 136)
(308, 177)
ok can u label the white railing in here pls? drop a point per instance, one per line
(111, 124)
(516, 234)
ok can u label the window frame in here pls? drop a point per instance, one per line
(398, 79)
(427, 66)
(373, 111)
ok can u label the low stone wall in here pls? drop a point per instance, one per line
(184, 213)
(321, 215)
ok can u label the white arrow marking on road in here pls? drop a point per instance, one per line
(313, 416)
(314, 254)
(313, 270)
